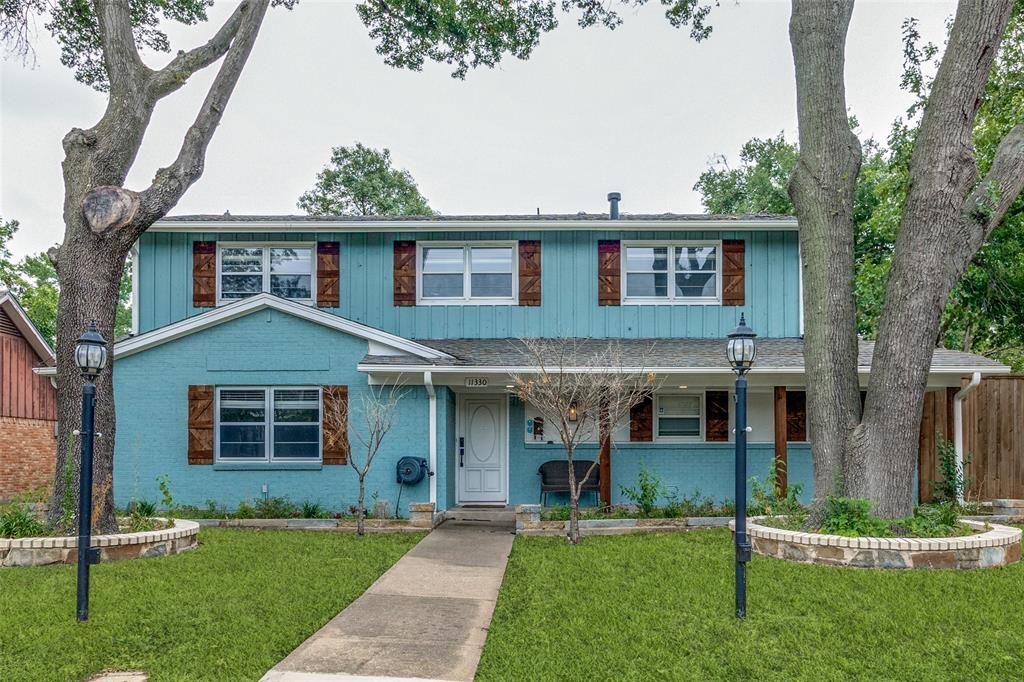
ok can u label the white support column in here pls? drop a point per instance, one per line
(432, 434)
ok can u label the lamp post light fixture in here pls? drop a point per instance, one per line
(91, 358)
(741, 351)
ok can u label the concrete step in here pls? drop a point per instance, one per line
(490, 516)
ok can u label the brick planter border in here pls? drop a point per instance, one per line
(182, 537)
(998, 546)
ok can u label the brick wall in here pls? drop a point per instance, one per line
(28, 450)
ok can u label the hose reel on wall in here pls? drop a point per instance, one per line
(409, 471)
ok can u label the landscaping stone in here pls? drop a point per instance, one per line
(994, 545)
(709, 521)
(182, 537)
(421, 514)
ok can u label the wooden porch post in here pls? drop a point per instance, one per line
(781, 453)
(605, 459)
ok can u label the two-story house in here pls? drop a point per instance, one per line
(247, 327)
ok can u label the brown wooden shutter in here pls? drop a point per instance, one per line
(796, 416)
(609, 268)
(328, 270)
(204, 274)
(733, 272)
(405, 273)
(529, 272)
(716, 416)
(335, 425)
(200, 424)
(641, 421)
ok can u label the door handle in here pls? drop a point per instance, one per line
(462, 450)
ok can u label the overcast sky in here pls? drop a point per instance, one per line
(641, 110)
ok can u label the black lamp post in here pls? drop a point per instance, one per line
(741, 351)
(91, 358)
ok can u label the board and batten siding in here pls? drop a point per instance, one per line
(569, 300)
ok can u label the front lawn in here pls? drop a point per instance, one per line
(660, 607)
(229, 610)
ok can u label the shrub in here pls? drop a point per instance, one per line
(851, 516)
(647, 492)
(274, 508)
(953, 484)
(313, 510)
(16, 521)
(785, 511)
(143, 507)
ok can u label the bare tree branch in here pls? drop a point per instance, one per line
(986, 206)
(177, 72)
(171, 182)
(589, 379)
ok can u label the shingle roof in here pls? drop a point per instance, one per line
(528, 218)
(772, 353)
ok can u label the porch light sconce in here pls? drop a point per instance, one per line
(573, 414)
(740, 351)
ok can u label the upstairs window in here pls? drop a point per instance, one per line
(672, 273)
(282, 270)
(262, 424)
(466, 273)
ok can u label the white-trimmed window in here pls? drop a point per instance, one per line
(672, 272)
(679, 416)
(462, 273)
(285, 270)
(268, 424)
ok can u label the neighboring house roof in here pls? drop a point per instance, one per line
(571, 221)
(12, 308)
(779, 354)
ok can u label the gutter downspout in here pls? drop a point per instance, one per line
(958, 425)
(428, 383)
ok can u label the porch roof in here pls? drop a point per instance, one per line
(786, 354)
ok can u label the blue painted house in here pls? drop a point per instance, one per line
(248, 329)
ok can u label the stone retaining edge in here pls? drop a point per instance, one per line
(182, 528)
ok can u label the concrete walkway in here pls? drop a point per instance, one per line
(425, 618)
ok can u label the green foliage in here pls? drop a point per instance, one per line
(192, 616)
(67, 499)
(472, 33)
(163, 481)
(362, 181)
(852, 517)
(313, 510)
(953, 484)
(16, 521)
(143, 507)
(137, 522)
(647, 492)
(274, 508)
(34, 281)
(782, 511)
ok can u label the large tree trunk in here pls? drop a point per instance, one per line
(102, 220)
(933, 248)
(946, 217)
(822, 188)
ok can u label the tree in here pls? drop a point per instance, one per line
(361, 181)
(591, 381)
(951, 207)
(378, 406)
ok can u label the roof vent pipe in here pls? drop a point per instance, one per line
(613, 208)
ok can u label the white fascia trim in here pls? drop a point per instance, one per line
(467, 225)
(27, 328)
(496, 369)
(265, 301)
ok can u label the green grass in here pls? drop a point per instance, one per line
(660, 607)
(229, 610)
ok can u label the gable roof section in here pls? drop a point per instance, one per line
(380, 342)
(12, 308)
(673, 355)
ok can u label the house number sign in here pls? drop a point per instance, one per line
(476, 382)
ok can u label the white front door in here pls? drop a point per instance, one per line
(482, 455)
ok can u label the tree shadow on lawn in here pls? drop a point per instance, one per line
(229, 610)
(653, 607)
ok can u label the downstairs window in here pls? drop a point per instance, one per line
(268, 424)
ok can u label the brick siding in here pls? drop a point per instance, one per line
(28, 450)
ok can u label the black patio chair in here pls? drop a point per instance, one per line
(554, 478)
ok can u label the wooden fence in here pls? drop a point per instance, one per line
(993, 422)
